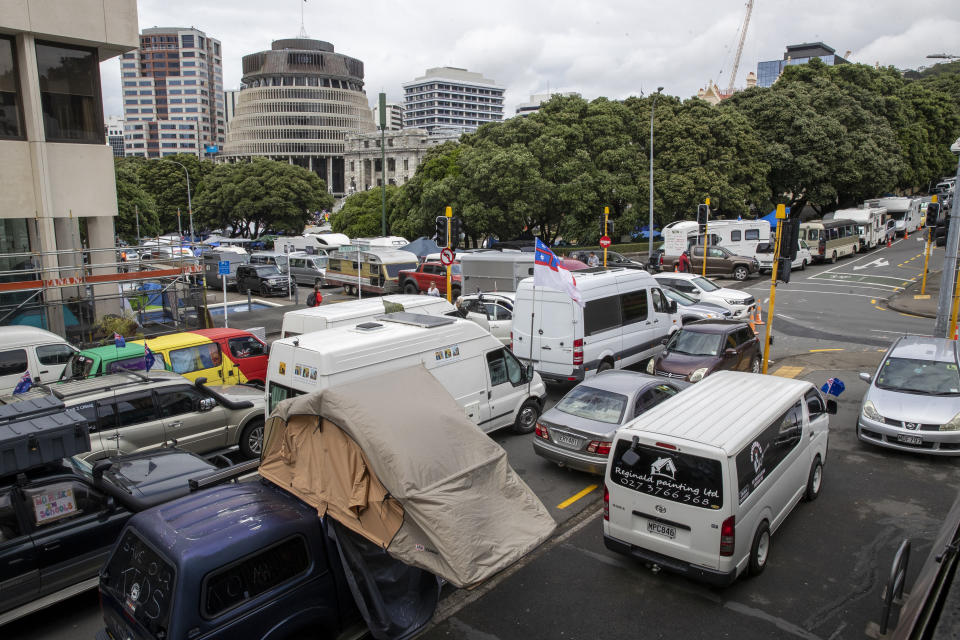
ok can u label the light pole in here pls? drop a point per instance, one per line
(189, 201)
(946, 313)
(650, 228)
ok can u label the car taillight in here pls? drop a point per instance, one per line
(728, 537)
(600, 447)
(578, 352)
(542, 432)
(606, 503)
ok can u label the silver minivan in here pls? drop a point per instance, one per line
(277, 259)
(307, 270)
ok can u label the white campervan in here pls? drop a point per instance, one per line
(870, 224)
(318, 243)
(493, 387)
(34, 351)
(740, 237)
(698, 484)
(906, 211)
(354, 312)
(624, 321)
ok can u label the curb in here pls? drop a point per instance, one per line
(894, 302)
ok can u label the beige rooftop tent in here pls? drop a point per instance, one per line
(394, 459)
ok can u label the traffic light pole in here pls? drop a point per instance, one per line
(706, 237)
(606, 218)
(449, 215)
(781, 218)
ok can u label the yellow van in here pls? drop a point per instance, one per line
(222, 356)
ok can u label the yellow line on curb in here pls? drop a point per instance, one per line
(822, 350)
(569, 501)
(788, 372)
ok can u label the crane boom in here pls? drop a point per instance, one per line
(743, 37)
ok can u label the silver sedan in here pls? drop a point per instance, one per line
(577, 432)
(913, 402)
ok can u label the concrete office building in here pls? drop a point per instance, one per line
(537, 100)
(298, 103)
(230, 105)
(114, 131)
(405, 150)
(394, 116)
(770, 70)
(57, 167)
(453, 99)
(173, 94)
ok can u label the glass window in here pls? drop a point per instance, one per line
(652, 397)
(11, 125)
(593, 404)
(501, 313)
(9, 526)
(914, 375)
(693, 343)
(13, 362)
(178, 401)
(504, 367)
(246, 347)
(751, 234)
(758, 459)
(50, 354)
(716, 253)
(735, 236)
(633, 306)
(601, 314)
(279, 393)
(196, 358)
(659, 302)
(135, 562)
(70, 93)
(135, 409)
(668, 474)
(815, 406)
(57, 501)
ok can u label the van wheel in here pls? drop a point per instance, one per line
(814, 481)
(410, 288)
(605, 365)
(251, 439)
(833, 258)
(760, 549)
(755, 364)
(527, 417)
(803, 265)
(740, 273)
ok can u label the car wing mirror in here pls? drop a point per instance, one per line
(664, 341)
(866, 377)
(832, 407)
(206, 404)
(730, 353)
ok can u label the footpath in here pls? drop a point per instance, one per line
(911, 301)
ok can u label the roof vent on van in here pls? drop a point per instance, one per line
(417, 319)
(369, 326)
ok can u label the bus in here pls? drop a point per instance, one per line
(374, 270)
(831, 239)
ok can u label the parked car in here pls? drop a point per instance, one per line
(413, 281)
(578, 431)
(308, 270)
(705, 346)
(265, 279)
(740, 304)
(765, 256)
(614, 259)
(222, 356)
(41, 354)
(99, 361)
(913, 401)
(891, 231)
(720, 262)
(691, 310)
(498, 309)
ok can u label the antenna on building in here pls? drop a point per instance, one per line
(303, 29)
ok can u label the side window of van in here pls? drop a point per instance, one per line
(814, 402)
(633, 306)
(504, 368)
(659, 302)
(751, 234)
(13, 362)
(601, 314)
(189, 359)
(245, 347)
(735, 236)
(760, 458)
(54, 353)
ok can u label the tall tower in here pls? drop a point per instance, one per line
(449, 98)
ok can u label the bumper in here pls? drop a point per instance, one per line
(935, 443)
(576, 375)
(742, 311)
(277, 288)
(702, 574)
(573, 459)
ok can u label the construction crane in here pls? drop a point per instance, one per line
(743, 37)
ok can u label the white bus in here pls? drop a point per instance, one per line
(830, 239)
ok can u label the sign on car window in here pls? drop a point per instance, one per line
(671, 475)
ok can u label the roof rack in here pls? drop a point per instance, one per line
(90, 387)
(416, 319)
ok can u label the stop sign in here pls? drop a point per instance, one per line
(605, 241)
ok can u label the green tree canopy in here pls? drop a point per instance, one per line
(133, 203)
(362, 213)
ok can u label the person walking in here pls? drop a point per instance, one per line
(684, 263)
(315, 298)
(433, 291)
(593, 260)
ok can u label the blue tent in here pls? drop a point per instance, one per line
(645, 232)
(772, 218)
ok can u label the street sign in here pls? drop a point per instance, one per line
(223, 267)
(446, 256)
(605, 241)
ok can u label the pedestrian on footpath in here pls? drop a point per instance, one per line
(314, 298)
(684, 263)
(433, 291)
(593, 260)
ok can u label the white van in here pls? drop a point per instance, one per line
(488, 381)
(624, 321)
(906, 211)
(354, 312)
(38, 352)
(740, 237)
(698, 484)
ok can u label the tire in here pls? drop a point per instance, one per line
(264, 291)
(410, 288)
(348, 288)
(755, 365)
(803, 265)
(605, 365)
(526, 420)
(814, 480)
(740, 273)
(760, 549)
(251, 439)
(833, 258)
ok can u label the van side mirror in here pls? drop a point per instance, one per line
(832, 407)
(529, 372)
(866, 377)
(673, 306)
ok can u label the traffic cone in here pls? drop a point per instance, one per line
(906, 234)
(889, 244)
(759, 318)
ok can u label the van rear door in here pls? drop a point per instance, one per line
(554, 330)
(668, 498)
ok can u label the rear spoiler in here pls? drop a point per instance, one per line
(201, 383)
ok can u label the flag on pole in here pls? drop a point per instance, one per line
(24, 385)
(547, 272)
(833, 387)
(118, 341)
(148, 358)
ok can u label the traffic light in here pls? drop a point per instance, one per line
(933, 213)
(790, 238)
(702, 212)
(442, 231)
(783, 270)
(610, 227)
(455, 229)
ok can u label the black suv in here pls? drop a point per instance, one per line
(263, 279)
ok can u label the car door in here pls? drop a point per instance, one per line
(818, 419)
(731, 353)
(717, 261)
(500, 320)
(51, 360)
(185, 421)
(663, 320)
(250, 357)
(505, 389)
(19, 566)
(639, 327)
(748, 345)
(138, 424)
(73, 529)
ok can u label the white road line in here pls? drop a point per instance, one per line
(834, 293)
(780, 315)
(856, 275)
(834, 283)
(900, 333)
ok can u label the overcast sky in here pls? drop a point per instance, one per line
(613, 48)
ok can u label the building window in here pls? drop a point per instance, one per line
(70, 93)
(10, 120)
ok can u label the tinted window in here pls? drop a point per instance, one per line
(659, 302)
(70, 93)
(744, 335)
(10, 122)
(279, 393)
(752, 234)
(134, 562)
(633, 306)
(9, 526)
(601, 315)
(130, 364)
(226, 588)
(668, 474)
(58, 501)
(201, 356)
(54, 354)
(759, 458)
(815, 405)
(135, 409)
(13, 362)
(652, 397)
(246, 347)
(178, 400)
(735, 236)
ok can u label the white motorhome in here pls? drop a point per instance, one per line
(493, 387)
(698, 484)
(740, 237)
(354, 312)
(624, 320)
(870, 224)
(318, 243)
(906, 211)
(485, 271)
(389, 242)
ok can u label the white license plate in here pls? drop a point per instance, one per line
(910, 439)
(567, 441)
(661, 529)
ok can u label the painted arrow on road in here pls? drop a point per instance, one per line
(879, 262)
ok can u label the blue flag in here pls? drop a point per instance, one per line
(148, 359)
(118, 341)
(833, 387)
(24, 385)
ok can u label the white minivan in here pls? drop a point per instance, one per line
(698, 484)
(31, 350)
(354, 312)
(493, 387)
(624, 320)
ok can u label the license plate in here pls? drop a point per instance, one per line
(661, 529)
(567, 441)
(910, 439)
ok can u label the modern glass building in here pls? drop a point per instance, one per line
(768, 71)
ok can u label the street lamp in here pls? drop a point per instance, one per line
(650, 228)
(189, 201)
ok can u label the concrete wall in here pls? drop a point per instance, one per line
(109, 25)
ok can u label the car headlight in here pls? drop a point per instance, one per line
(869, 411)
(697, 375)
(953, 425)
(651, 366)
(733, 301)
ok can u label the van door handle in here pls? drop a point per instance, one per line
(47, 371)
(51, 546)
(546, 348)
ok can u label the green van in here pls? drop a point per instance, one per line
(99, 361)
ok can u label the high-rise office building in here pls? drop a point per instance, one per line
(537, 100)
(394, 116)
(173, 94)
(114, 130)
(768, 71)
(453, 99)
(298, 102)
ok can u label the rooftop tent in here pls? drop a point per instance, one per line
(408, 472)
(422, 247)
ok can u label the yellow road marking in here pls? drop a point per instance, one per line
(873, 302)
(569, 501)
(821, 350)
(788, 372)
(921, 297)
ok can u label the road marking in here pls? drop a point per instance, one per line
(879, 262)
(921, 297)
(822, 350)
(886, 288)
(569, 501)
(788, 372)
(780, 315)
(834, 293)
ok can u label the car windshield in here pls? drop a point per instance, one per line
(705, 284)
(267, 271)
(693, 343)
(927, 377)
(680, 298)
(593, 404)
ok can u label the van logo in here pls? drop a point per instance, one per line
(135, 591)
(756, 456)
(661, 509)
(913, 426)
(664, 467)
(282, 368)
